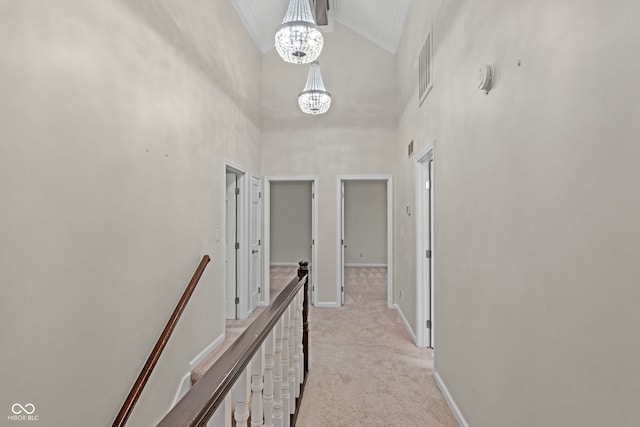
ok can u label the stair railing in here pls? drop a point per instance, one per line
(141, 381)
(266, 368)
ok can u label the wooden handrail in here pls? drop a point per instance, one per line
(201, 402)
(138, 386)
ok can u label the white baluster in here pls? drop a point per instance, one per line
(292, 369)
(286, 396)
(256, 389)
(296, 341)
(299, 339)
(268, 380)
(241, 401)
(277, 377)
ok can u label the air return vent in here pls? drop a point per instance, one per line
(425, 73)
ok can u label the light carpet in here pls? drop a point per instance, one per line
(364, 368)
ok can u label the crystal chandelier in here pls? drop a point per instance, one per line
(314, 99)
(299, 40)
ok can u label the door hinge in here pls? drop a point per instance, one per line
(237, 245)
(259, 242)
(428, 253)
(342, 242)
(429, 324)
(259, 291)
(313, 242)
(342, 288)
(313, 195)
(237, 191)
(237, 300)
(260, 195)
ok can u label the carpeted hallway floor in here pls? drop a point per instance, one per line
(364, 368)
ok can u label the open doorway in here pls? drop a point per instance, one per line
(425, 289)
(289, 231)
(365, 233)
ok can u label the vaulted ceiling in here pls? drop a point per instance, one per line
(379, 21)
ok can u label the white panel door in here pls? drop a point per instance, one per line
(342, 242)
(255, 232)
(230, 261)
(427, 260)
(312, 283)
(430, 246)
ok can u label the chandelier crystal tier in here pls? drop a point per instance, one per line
(299, 40)
(314, 99)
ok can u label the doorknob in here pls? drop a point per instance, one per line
(253, 251)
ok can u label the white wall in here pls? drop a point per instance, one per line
(356, 136)
(116, 119)
(365, 222)
(537, 207)
(290, 221)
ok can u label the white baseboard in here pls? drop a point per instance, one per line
(356, 264)
(185, 382)
(205, 353)
(183, 388)
(284, 264)
(327, 305)
(406, 323)
(452, 404)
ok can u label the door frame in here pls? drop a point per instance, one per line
(339, 216)
(242, 292)
(425, 293)
(266, 249)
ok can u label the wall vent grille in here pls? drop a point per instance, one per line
(425, 69)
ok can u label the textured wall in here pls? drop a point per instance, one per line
(116, 118)
(537, 207)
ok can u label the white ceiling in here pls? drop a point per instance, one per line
(379, 21)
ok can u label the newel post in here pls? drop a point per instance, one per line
(302, 271)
